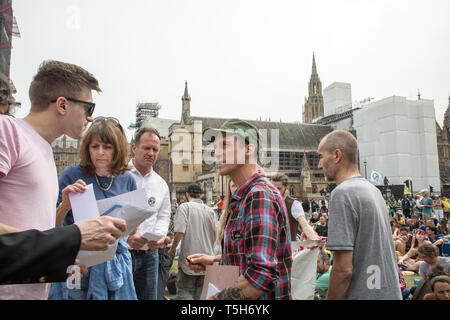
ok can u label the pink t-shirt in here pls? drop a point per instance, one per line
(28, 189)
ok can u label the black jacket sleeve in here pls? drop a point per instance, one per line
(38, 256)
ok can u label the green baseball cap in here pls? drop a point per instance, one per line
(239, 127)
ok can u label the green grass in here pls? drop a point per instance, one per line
(410, 279)
(174, 267)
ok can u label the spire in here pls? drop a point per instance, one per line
(186, 93)
(313, 107)
(305, 178)
(186, 106)
(314, 68)
(305, 165)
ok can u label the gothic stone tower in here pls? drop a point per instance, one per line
(313, 106)
(305, 179)
(186, 106)
(443, 143)
(185, 148)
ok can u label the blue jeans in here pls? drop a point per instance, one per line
(165, 263)
(145, 273)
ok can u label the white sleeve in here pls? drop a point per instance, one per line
(163, 215)
(297, 209)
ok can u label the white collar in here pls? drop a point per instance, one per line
(133, 169)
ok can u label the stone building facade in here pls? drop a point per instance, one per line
(65, 152)
(443, 143)
(290, 148)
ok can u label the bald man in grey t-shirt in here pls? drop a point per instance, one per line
(359, 222)
(364, 264)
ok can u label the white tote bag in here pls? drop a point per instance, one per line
(304, 269)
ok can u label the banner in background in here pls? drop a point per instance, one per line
(375, 177)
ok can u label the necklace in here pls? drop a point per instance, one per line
(101, 187)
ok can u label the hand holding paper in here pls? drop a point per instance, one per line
(78, 187)
(133, 217)
(152, 236)
(155, 240)
(84, 207)
(136, 241)
(97, 234)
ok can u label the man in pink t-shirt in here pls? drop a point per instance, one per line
(61, 103)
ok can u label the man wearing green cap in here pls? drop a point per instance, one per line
(257, 235)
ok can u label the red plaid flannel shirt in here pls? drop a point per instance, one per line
(257, 238)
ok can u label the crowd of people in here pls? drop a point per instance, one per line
(411, 229)
(365, 242)
(419, 229)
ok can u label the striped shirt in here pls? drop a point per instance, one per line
(257, 238)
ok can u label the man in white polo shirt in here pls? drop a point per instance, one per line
(144, 252)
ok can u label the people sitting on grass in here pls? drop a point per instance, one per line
(424, 289)
(411, 259)
(402, 241)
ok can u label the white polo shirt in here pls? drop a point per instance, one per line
(158, 198)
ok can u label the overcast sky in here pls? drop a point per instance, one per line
(241, 58)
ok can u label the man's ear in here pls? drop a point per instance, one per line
(61, 105)
(250, 152)
(250, 149)
(338, 155)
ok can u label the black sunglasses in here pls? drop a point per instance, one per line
(115, 121)
(89, 110)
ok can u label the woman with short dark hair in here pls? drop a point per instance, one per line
(104, 164)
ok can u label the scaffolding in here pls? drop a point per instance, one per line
(145, 110)
(8, 29)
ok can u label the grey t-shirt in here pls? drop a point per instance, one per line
(198, 222)
(359, 222)
(425, 268)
